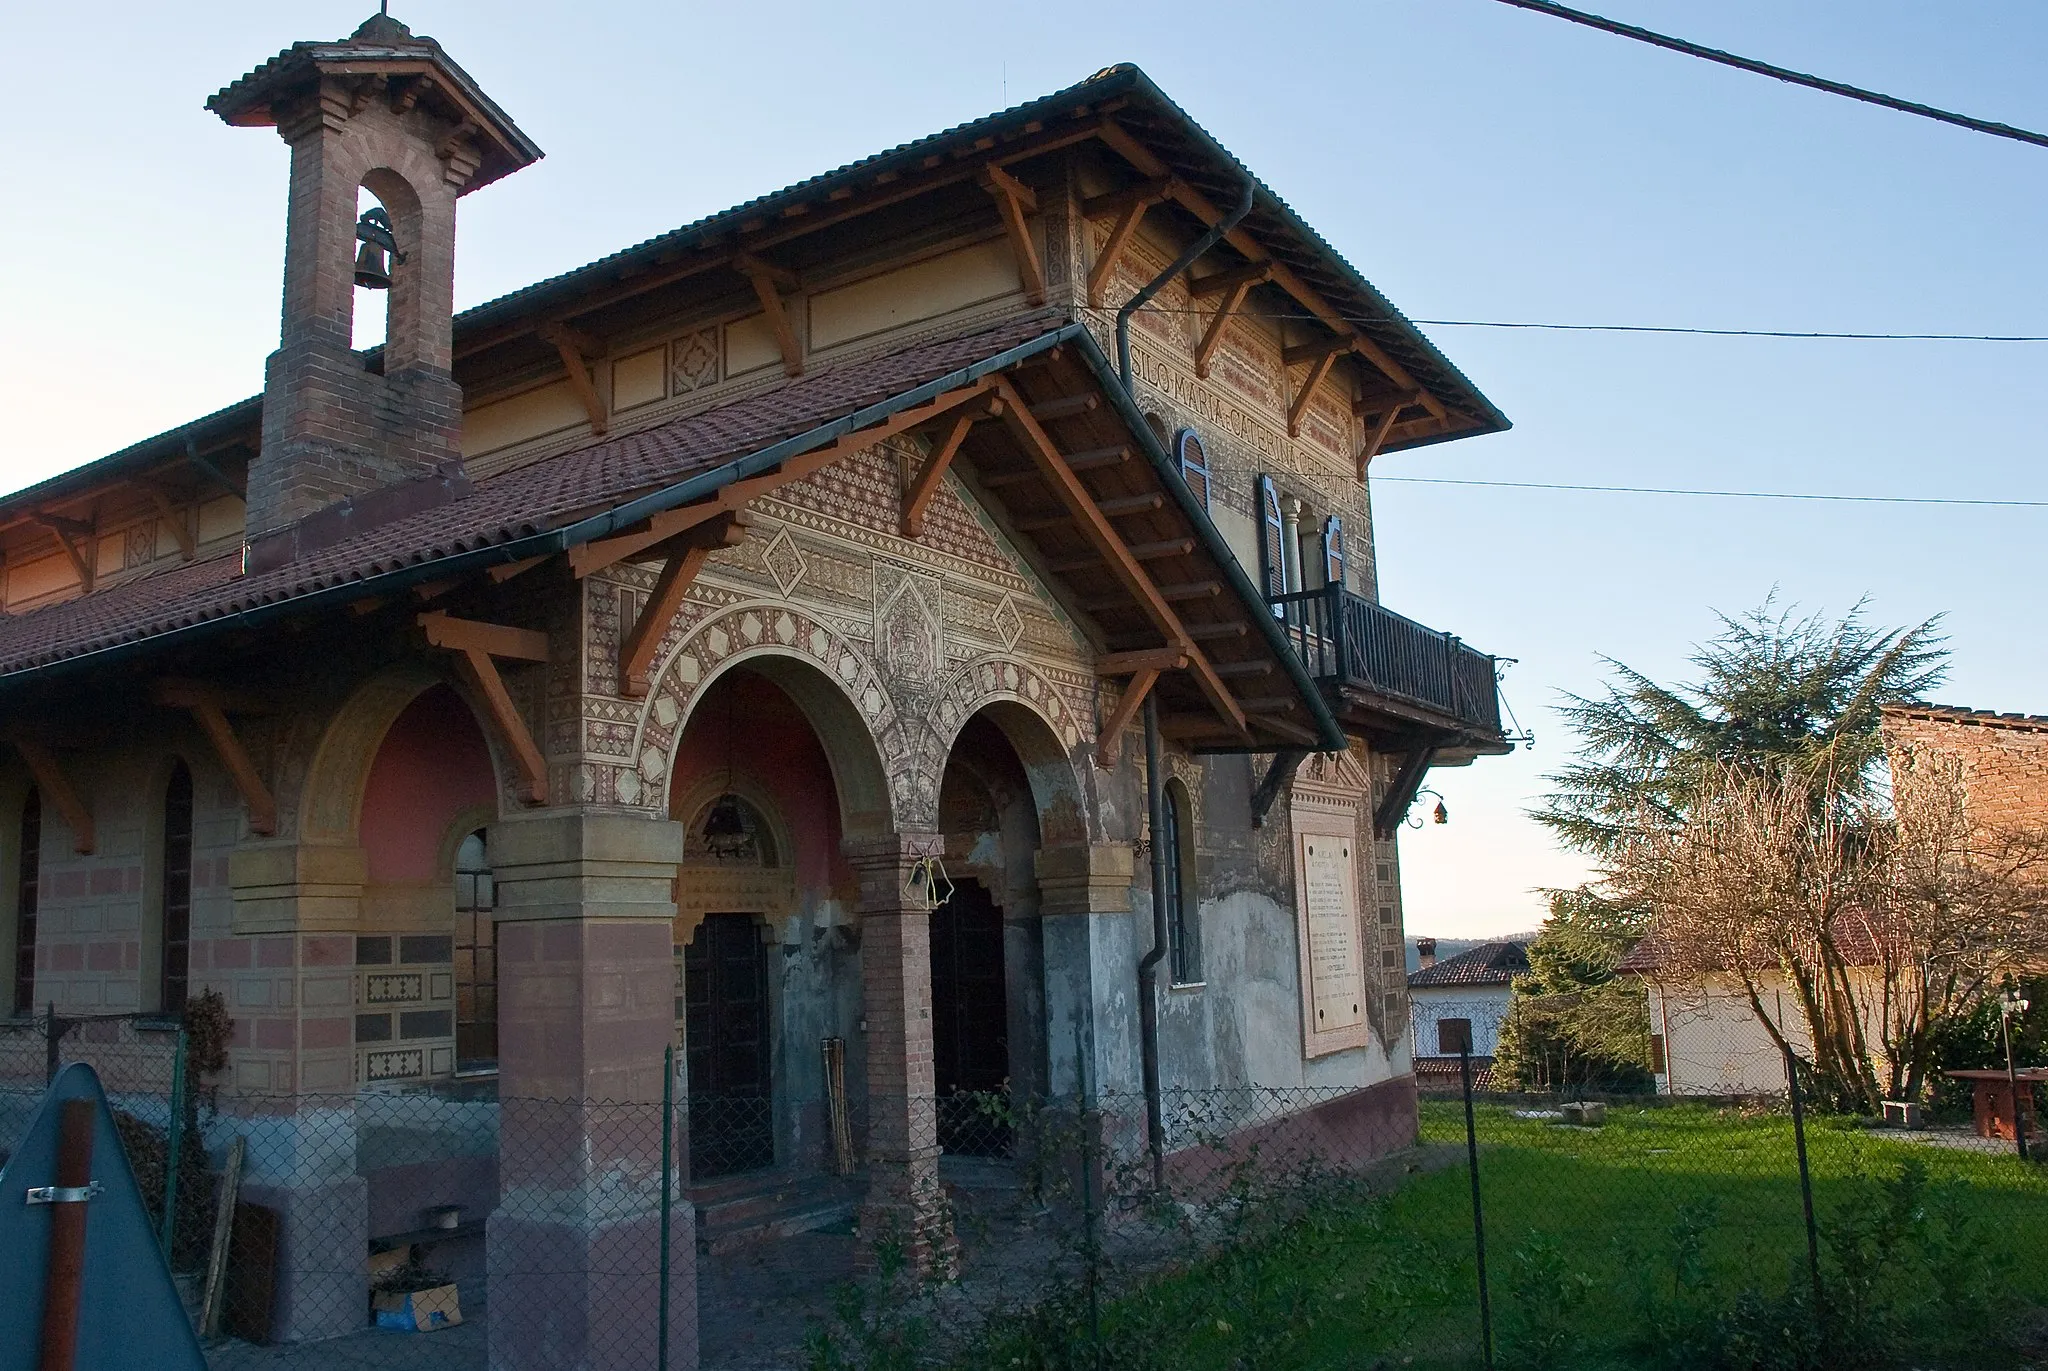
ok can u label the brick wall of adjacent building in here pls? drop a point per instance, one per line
(2004, 757)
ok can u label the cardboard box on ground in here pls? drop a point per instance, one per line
(416, 1311)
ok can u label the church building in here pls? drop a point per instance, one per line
(911, 637)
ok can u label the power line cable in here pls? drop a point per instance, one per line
(1305, 317)
(1716, 494)
(1777, 73)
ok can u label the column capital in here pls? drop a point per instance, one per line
(585, 864)
(886, 850)
(1085, 878)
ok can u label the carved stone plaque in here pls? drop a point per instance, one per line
(1336, 979)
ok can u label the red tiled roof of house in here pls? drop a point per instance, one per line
(1962, 714)
(1494, 963)
(1857, 936)
(503, 514)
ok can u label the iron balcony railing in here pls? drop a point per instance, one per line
(1347, 640)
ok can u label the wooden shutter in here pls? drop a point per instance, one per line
(1194, 463)
(1272, 539)
(1333, 551)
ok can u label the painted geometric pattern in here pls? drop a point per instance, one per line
(866, 490)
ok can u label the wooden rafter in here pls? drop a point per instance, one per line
(70, 533)
(1195, 203)
(595, 556)
(686, 557)
(919, 490)
(52, 782)
(574, 346)
(1135, 690)
(769, 282)
(1014, 200)
(1377, 439)
(501, 574)
(478, 646)
(1095, 527)
(209, 705)
(1317, 370)
(1142, 659)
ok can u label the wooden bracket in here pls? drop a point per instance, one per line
(918, 492)
(1272, 783)
(593, 557)
(477, 646)
(69, 534)
(574, 346)
(1170, 658)
(1317, 370)
(1377, 439)
(686, 557)
(1013, 200)
(209, 706)
(212, 471)
(1212, 337)
(1135, 690)
(171, 513)
(51, 781)
(501, 574)
(1393, 806)
(1130, 206)
(769, 282)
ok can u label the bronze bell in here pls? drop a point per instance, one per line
(379, 250)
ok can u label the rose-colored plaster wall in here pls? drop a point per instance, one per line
(774, 748)
(432, 765)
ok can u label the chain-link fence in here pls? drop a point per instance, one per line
(1271, 1228)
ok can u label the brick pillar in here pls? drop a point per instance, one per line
(586, 1008)
(904, 1200)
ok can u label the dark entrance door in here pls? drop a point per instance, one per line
(970, 1022)
(725, 992)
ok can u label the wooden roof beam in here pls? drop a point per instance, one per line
(51, 781)
(70, 534)
(172, 514)
(1212, 337)
(477, 646)
(1095, 526)
(1013, 200)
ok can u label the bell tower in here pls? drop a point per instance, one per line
(352, 439)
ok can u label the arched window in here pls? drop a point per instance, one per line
(476, 958)
(27, 880)
(172, 980)
(1183, 928)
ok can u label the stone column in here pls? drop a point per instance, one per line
(1091, 959)
(904, 1202)
(586, 1009)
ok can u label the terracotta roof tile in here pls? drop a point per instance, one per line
(502, 510)
(1494, 963)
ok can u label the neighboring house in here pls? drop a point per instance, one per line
(1459, 1003)
(615, 665)
(1705, 1036)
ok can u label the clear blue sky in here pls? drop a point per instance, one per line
(1473, 160)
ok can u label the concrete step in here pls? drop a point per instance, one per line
(779, 1209)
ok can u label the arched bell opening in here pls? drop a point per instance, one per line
(766, 950)
(988, 1003)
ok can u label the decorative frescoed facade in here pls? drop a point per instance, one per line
(749, 643)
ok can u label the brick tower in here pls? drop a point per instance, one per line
(349, 442)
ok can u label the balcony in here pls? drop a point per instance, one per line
(1392, 680)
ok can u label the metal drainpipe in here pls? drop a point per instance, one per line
(1155, 794)
(1148, 966)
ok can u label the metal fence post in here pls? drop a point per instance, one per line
(1805, 1180)
(1478, 1214)
(1091, 1234)
(2012, 1080)
(53, 1033)
(174, 1145)
(668, 1114)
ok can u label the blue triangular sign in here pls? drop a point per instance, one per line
(129, 1316)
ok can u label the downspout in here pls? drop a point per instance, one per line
(1155, 793)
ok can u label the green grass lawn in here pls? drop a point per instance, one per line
(1670, 1237)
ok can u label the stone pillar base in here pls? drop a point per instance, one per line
(585, 1296)
(323, 1269)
